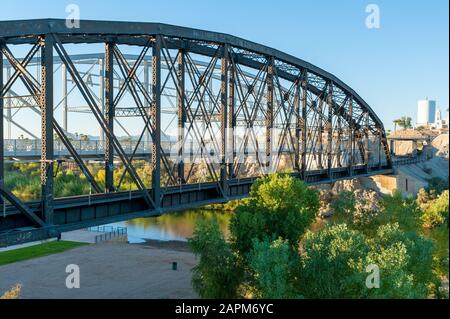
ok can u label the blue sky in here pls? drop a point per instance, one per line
(391, 67)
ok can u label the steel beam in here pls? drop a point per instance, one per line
(64, 94)
(181, 91)
(231, 153)
(269, 111)
(101, 93)
(320, 132)
(223, 118)
(109, 116)
(47, 155)
(156, 121)
(304, 124)
(330, 129)
(366, 140)
(351, 138)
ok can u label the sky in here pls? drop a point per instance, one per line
(391, 67)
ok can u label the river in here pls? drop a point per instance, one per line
(173, 226)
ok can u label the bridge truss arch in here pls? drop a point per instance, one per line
(235, 110)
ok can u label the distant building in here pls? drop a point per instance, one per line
(426, 112)
(441, 124)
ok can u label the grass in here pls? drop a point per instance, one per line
(53, 247)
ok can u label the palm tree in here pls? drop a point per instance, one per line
(396, 122)
(405, 122)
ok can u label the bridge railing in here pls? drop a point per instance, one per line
(32, 147)
(108, 232)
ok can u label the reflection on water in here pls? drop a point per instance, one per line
(173, 226)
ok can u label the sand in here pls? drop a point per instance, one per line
(107, 270)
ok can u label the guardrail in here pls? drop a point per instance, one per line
(408, 161)
(108, 232)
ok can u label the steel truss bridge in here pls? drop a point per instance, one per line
(248, 109)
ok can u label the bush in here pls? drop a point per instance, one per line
(13, 293)
(436, 213)
(273, 265)
(437, 184)
(216, 275)
(279, 206)
(330, 263)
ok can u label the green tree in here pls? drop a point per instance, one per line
(405, 261)
(437, 184)
(436, 213)
(216, 274)
(273, 266)
(331, 260)
(279, 206)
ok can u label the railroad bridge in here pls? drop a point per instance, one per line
(207, 112)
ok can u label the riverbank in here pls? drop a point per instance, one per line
(107, 270)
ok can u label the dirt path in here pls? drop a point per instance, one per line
(107, 270)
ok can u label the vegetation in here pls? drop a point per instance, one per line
(23, 179)
(40, 250)
(13, 293)
(404, 122)
(215, 275)
(272, 253)
(436, 212)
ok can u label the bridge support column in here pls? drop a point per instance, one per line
(339, 142)
(298, 127)
(366, 141)
(156, 121)
(148, 138)
(351, 138)
(8, 106)
(47, 155)
(269, 113)
(181, 114)
(109, 116)
(223, 119)
(231, 153)
(330, 130)
(64, 94)
(320, 136)
(380, 136)
(304, 126)
(101, 76)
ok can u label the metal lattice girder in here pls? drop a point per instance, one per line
(328, 93)
(34, 89)
(219, 83)
(101, 119)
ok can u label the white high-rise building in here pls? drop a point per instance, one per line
(426, 112)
